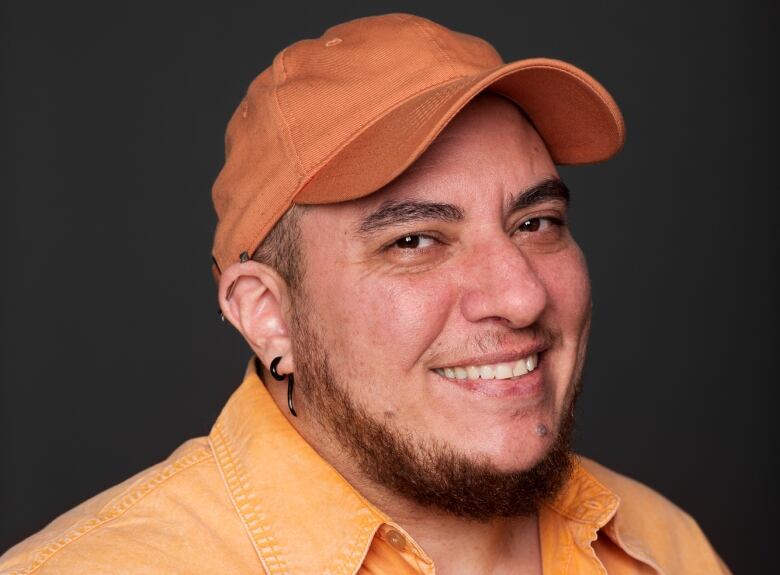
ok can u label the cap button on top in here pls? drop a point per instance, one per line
(396, 539)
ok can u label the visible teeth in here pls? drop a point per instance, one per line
(487, 371)
(492, 371)
(503, 371)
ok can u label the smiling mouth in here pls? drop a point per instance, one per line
(504, 370)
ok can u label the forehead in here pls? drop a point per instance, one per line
(489, 148)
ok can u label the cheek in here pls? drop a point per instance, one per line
(405, 315)
(566, 279)
(383, 324)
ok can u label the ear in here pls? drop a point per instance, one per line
(254, 298)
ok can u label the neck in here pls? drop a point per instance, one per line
(459, 545)
(455, 544)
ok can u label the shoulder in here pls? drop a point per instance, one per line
(634, 496)
(654, 528)
(152, 522)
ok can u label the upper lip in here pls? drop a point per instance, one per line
(496, 357)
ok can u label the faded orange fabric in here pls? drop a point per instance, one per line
(254, 497)
(338, 117)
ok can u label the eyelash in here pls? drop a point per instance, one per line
(552, 219)
(555, 221)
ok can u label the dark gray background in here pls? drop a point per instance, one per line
(112, 353)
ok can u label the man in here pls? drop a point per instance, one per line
(392, 244)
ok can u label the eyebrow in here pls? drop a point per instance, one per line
(398, 212)
(550, 189)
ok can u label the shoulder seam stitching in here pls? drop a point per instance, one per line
(248, 508)
(86, 526)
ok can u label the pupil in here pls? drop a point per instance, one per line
(531, 225)
(410, 242)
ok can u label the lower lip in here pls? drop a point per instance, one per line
(528, 386)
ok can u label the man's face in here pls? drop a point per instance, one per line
(431, 297)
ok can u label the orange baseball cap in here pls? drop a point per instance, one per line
(339, 117)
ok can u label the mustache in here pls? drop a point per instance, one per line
(498, 340)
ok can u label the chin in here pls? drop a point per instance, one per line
(512, 463)
(524, 446)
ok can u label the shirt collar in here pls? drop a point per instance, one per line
(585, 499)
(300, 514)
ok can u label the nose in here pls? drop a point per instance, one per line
(500, 283)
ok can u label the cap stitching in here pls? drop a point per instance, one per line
(430, 37)
(297, 160)
(307, 177)
(288, 132)
(587, 83)
(368, 123)
(617, 117)
(371, 121)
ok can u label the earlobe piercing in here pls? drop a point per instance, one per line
(290, 383)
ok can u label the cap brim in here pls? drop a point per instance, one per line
(575, 116)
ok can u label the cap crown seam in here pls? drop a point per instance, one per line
(288, 132)
(438, 46)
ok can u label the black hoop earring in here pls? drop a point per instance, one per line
(290, 383)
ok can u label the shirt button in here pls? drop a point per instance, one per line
(396, 539)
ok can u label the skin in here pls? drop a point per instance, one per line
(491, 286)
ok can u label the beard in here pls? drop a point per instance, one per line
(428, 473)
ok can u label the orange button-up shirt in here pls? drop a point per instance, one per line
(254, 497)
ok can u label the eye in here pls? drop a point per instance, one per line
(413, 242)
(538, 224)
